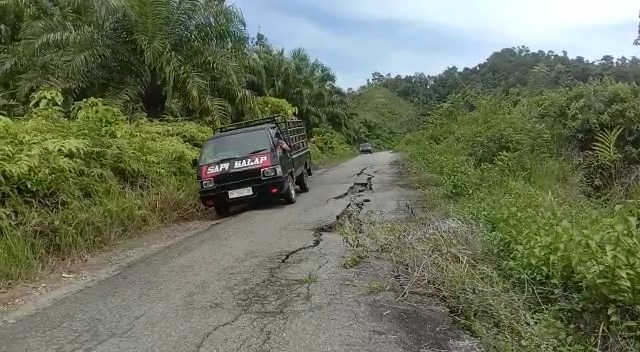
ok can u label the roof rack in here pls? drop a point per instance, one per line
(292, 129)
(275, 119)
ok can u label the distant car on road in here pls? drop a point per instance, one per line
(366, 148)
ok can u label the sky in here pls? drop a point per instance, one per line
(357, 37)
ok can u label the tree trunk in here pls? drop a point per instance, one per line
(154, 98)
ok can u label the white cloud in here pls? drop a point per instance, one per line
(293, 30)
(525, 20)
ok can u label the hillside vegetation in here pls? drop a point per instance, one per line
(539, 152)
(103, 105)
(380, 116)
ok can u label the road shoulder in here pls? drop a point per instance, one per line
(69, 277)
(379, 198)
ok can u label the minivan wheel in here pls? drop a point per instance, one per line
(303, 181)
(290, 195)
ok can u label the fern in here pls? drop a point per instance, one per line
(604, 146)
(71, 184)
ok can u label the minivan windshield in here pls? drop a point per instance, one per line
(234, 146)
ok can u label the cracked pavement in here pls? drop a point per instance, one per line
(267, 279)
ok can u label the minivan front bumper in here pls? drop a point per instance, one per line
(260, 189)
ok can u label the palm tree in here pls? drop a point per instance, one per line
(184, 57)
(307, 84)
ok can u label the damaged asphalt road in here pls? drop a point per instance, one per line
(268, 279)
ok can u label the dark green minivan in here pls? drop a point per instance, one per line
(242, 162)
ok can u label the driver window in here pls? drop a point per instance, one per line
(272, 137)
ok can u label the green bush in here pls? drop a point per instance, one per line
(268, 106)
(587, 116)
(328, 146)
(69, 186)
(520, 173)
(381, 117)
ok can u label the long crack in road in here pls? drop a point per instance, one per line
(268, 279)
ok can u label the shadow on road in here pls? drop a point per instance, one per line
(241, 208)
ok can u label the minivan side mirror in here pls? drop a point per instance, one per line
(194, 163)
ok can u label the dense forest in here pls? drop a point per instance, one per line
(510, 70)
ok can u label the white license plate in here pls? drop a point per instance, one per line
(242, 192)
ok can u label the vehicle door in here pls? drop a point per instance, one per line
(284, 157)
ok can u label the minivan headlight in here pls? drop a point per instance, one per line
(208, 183)
(272, 171)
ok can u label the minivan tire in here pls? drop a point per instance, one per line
(303, 181)
(290, 192)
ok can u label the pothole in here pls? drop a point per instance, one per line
(358, 187)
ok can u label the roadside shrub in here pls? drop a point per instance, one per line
(328, 146)
(599, 113)
(513, 172)
(268, 106)
(69, 186)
